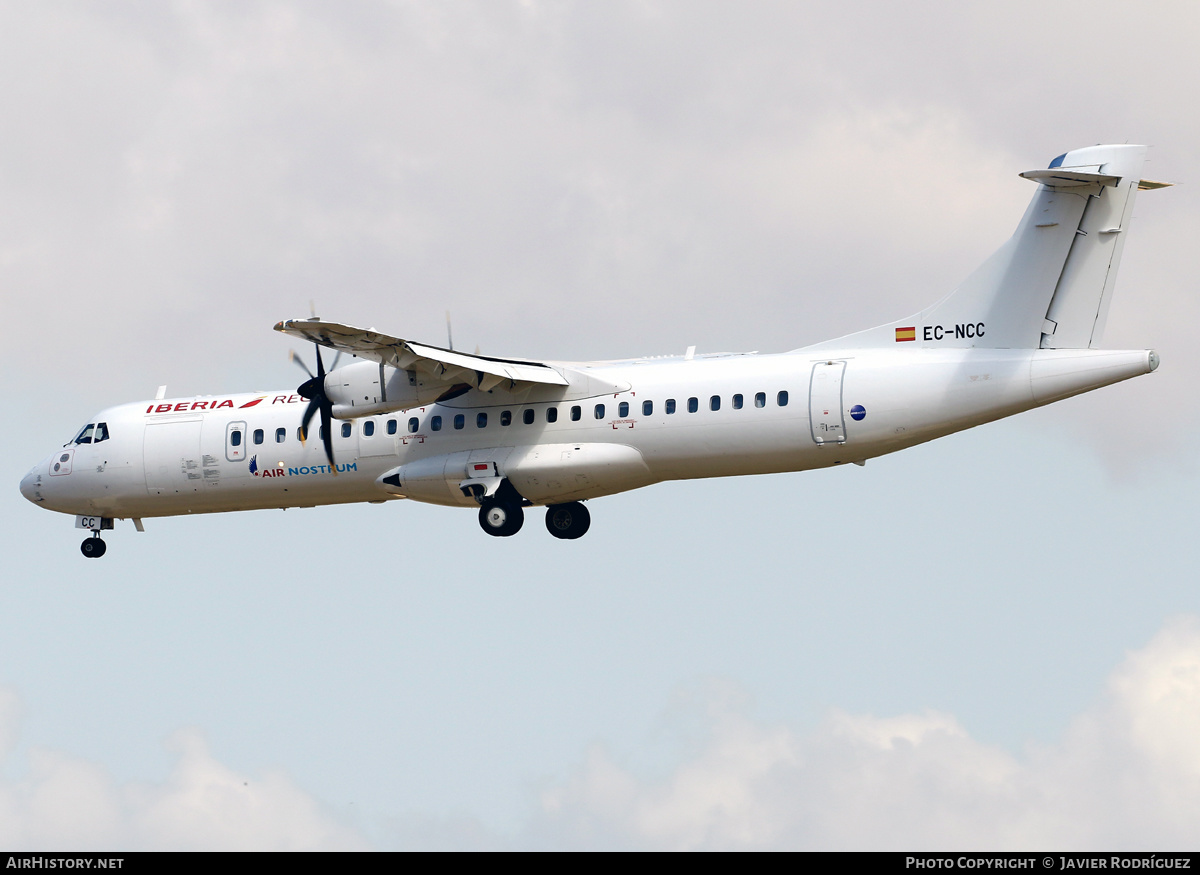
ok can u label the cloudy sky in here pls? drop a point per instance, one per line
(992, 641)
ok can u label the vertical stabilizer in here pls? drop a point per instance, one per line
(1050, 284)
(1079, 308)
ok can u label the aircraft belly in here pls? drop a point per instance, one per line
(556, 473)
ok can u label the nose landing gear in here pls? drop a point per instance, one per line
(93, 547)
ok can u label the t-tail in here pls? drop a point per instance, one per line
(1050, 285)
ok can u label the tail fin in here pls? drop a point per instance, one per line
(1051, 284)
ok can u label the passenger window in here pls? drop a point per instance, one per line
(481, 420)
(623, 409)
(782, 398)
(280, 435)
(714, 403)
(300, 435)
(670, 406)
(85, 436)
(346, 429)
(102, 432)
(413, 424)
(576, 413)
(506, 417)
(235, 439)
(599, 411)
(760, 400)
(647, 408)
(551, 414)
(435, 424)
(391, 426)
(369, 428)
(527, 416)
(737, 402)
(459, 420)
(259, 436)
(693, 405)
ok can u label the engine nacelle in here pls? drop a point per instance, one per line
(369, 389)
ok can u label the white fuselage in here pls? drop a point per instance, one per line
(797, 411)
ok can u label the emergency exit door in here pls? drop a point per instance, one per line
(825, 403)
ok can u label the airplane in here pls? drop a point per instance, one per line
(408, 420)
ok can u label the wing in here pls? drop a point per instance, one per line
(443, 365)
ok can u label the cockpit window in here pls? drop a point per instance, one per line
(101, 432)
(85, 436)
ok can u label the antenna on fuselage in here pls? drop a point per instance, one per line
(449, 333)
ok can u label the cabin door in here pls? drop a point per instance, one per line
(825, 403)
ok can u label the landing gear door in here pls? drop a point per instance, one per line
(825, 403)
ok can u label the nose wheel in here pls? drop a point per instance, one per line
(93, 547)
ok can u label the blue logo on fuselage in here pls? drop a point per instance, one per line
(858, 413)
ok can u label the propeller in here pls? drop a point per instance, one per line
(313, 389)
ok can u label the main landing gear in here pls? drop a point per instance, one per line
(502, 514)
(568, 521)
(501, 518)
(93, 547)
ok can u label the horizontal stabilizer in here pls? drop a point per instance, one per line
(1060, 178)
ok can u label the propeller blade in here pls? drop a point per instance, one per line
(295, 358)
(327, 432)
(312, 408)
(337, 358)
(320, 364)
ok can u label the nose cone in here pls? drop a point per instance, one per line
(29, 486)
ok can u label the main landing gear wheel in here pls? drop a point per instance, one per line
(500, 518)
(93, 548)
(568, 521)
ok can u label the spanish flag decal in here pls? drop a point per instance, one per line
(903, 334)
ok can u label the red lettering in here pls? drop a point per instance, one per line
(181, 407)
(199, 405)
(292, 399)
(225, 403)
(279, 399)
(150, 409)
(163, 408)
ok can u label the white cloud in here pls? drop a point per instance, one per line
(66, 803)
(1126, 774)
